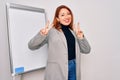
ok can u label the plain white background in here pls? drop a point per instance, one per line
(100, 22)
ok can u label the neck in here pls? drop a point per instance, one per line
(64, 26)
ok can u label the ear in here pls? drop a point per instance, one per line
(58, 19)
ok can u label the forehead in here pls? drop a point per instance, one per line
(64, 10)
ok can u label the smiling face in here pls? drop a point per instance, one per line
(64, 17)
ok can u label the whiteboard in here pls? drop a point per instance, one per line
(24, 22)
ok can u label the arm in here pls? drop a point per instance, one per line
(82, 41)
(37, 41)
(84, 45)
(41, 38)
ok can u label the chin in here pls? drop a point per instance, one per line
(66, 24)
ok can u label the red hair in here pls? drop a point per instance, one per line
(56, 24)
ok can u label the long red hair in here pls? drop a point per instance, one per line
(56, 24)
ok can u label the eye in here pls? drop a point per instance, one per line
(62, 15)
(68, 13)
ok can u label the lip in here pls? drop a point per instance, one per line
(67, 20)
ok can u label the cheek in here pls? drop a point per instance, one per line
(61, 20)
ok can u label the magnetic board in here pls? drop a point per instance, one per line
(24, 22)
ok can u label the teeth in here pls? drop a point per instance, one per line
(66, 20)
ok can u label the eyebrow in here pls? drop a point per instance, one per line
(67, 13)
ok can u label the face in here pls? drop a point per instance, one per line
(64, 17)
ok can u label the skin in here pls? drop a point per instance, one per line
(64, 18)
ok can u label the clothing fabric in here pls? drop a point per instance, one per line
(70, 41)
(57, 62)
(72, 70)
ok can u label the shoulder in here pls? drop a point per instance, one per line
(52, 30)
(53, 33)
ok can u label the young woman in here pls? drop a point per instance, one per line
(65, 44)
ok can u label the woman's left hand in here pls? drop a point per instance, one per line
(78, 31)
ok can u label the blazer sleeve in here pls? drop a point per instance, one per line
(84, 45)
(37, 41)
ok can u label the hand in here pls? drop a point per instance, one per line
(78, 31)
(45, 30)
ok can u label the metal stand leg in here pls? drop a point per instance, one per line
(17, 77)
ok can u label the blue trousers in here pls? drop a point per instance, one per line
(72, 69)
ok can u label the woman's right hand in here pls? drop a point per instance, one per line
(45, 30)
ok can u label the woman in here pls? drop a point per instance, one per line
(65, 44)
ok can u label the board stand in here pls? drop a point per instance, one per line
(17, 77)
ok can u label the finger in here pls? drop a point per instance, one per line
(47, 24)
(74, 27)
(78, 26)
(42, 31)
(79, 29)
(50, 26)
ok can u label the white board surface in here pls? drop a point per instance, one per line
(24, 22)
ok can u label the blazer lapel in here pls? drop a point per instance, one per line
(73, 33)
(62, 37)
